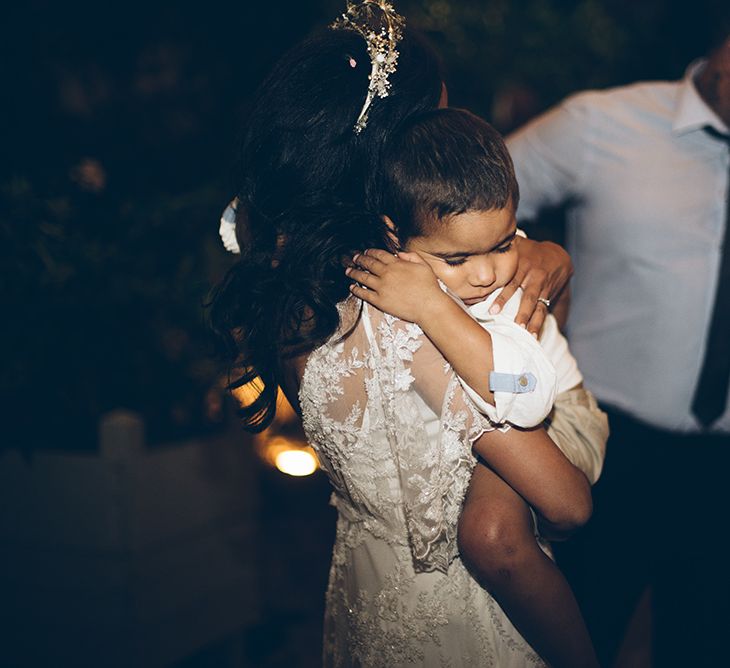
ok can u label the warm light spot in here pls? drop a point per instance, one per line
(296, 462)
(290, 455)
(282, 445)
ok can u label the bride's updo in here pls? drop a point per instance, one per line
(308, 199)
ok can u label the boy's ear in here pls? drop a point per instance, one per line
(392, 233)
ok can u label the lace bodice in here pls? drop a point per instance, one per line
(393, 430)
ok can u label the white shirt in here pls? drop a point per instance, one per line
(646, 221)
(517, 352)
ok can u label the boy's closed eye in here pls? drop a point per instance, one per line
(456, 261)
(506, 247)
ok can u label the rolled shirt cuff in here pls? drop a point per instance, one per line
(519, 356)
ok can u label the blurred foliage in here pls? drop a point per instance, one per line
(118, 138)
(508, 60)
(117, 154)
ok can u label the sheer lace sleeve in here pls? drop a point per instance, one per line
(431, 425)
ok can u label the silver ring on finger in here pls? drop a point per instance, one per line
(545, 301)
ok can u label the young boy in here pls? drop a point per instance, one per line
(450, 194)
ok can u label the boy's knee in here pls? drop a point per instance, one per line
(493, 546)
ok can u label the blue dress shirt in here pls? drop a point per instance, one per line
(646, 222)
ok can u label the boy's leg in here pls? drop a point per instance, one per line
(497, 543)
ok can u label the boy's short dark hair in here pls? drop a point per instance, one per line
(442, 163)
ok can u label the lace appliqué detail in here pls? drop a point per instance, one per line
(434, 473)
(402, 623)
(398, 595)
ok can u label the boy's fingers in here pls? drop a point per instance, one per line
(362, 293)
(410, 256)
(381, 255)
(369, 262)
(362, 277)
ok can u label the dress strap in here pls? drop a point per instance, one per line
(368, 325)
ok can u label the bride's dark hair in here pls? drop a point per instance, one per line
(308, 200)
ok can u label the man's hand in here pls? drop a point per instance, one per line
(543, 271)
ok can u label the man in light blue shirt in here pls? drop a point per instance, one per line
(646, 191)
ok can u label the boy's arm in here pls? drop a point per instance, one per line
(524, 380)
(522, 389)
(410, 291)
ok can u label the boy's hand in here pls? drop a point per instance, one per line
(402, 285)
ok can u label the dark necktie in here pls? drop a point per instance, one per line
(710, 396)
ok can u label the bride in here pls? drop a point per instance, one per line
(374, 395)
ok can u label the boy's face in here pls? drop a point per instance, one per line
(473, 253)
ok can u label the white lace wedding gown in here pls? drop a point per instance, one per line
(393, 431)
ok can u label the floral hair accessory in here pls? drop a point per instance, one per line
(382, 29)
(227, 229)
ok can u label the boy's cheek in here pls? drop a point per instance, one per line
(505, 274)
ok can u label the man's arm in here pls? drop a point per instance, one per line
(550, 156)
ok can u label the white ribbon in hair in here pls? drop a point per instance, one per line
(227, 229)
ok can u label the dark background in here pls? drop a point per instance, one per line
(118, 126)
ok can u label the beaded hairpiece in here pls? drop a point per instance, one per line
(382, 29)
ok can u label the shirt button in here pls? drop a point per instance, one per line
(523, 381)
